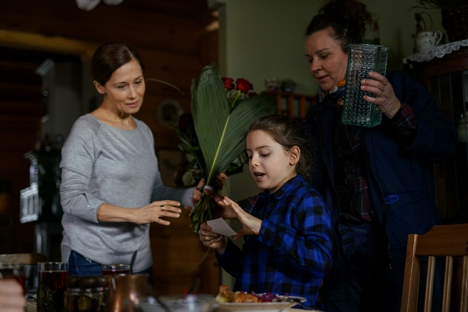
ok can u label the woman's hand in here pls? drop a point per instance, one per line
(251, 224)
(11, 296)
(220, 212)
(385, 98)
(157, 210)
(220, 181)
(212, 239)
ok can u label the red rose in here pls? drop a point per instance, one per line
(228, 83)
(243, 85)
(252, 94)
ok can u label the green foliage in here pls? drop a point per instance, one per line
(220, 130)
(221, 133)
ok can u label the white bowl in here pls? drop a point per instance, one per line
(258, 306)
(189, 303)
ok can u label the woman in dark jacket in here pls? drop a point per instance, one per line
(377, 181)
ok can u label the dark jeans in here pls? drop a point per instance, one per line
(372, 285)
(79, 265)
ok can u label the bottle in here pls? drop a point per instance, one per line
(362, 58)
(463, 128)
(375, 33)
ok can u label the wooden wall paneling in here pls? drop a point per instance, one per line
(178, 70)
(144, 28)
(19, 108)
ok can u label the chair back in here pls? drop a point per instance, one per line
(22, 258)
(450, 242)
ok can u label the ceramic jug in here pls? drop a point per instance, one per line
(127, 290)
(427, 39)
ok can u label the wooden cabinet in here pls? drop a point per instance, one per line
(179, 258)
(447, 80)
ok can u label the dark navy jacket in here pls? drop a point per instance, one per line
(400, 173)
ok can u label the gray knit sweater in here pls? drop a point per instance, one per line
(102, 164)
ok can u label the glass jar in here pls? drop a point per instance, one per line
(87, 293)
(362, 58)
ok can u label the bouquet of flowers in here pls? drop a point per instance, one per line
(213, 136)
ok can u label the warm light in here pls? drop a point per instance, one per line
(88, 5)
(214, 25)
(112, 2)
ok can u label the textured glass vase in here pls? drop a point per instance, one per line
(362, 58)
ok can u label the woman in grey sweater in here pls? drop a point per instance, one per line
(111, 187)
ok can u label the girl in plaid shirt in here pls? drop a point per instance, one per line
(287, 245)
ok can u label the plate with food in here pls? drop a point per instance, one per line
(240, 301)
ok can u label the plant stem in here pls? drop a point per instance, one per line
(202, 212)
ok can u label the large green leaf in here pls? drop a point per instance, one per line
(221, 134)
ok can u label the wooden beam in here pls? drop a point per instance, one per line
(55, 44)
(144, 26)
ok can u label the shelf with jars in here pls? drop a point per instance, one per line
(293, 104)
(446, 78)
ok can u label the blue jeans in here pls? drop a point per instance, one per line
(79, 265)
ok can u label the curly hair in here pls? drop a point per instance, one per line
(348, 19)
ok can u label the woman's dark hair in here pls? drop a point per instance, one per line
(288, 132)
(109, 57)
(347, 18)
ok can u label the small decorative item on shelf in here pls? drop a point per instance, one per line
(455, 22)
(288, 85)
(427, 39)
(375, 33)
(454, 16)
(272, 84)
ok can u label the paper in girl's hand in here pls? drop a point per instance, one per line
(219, 226)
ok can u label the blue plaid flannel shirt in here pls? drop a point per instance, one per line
(292, 252)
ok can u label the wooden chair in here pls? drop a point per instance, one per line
(22, 258)
(451, 242)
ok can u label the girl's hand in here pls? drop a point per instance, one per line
(385, 98)
(251, 224)
(197, 192)
(212, 239)
(157, 210)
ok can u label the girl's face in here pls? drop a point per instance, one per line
(124, 91)
(327, 61)
(270, 165)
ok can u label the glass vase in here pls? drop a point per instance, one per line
(362, 58)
